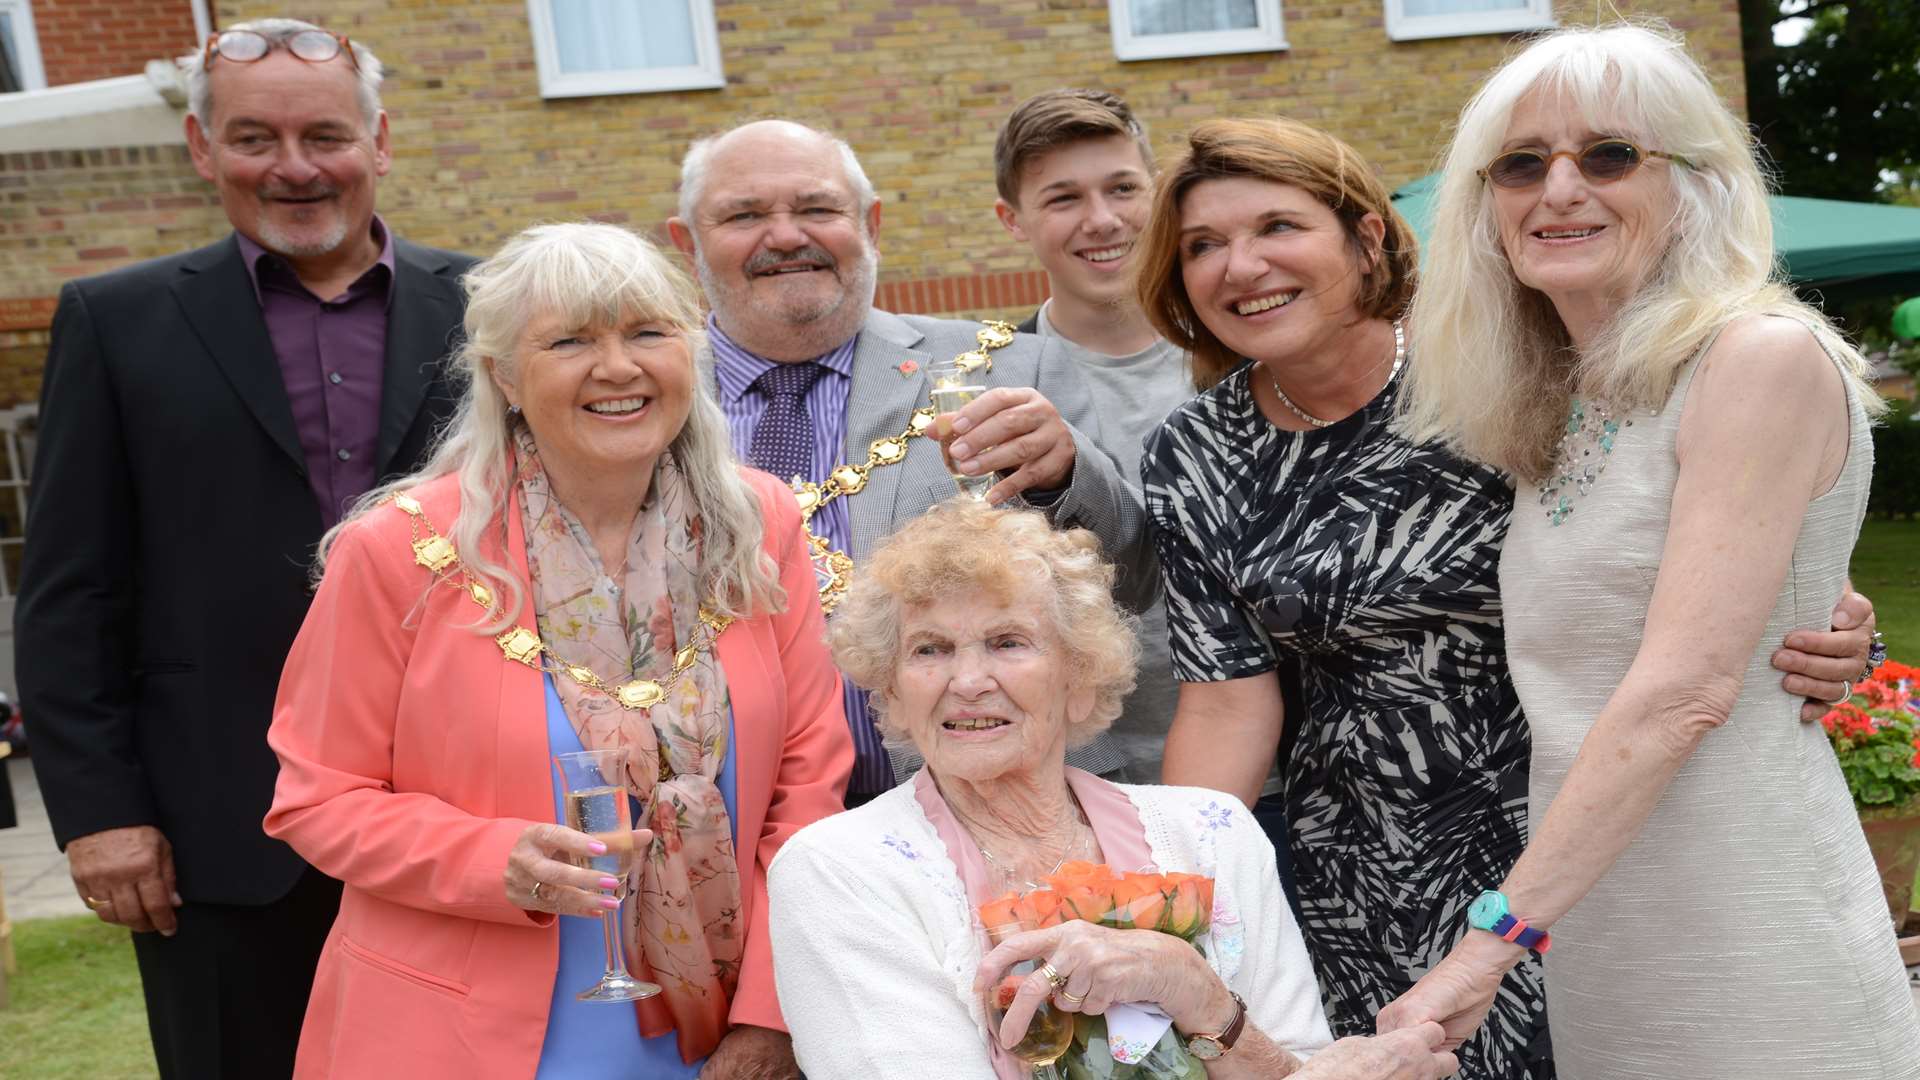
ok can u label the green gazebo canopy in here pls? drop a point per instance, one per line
(1823, 242)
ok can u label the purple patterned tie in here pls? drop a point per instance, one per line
(783, 442)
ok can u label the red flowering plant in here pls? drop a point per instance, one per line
(1876, 735)
(1132, 1047)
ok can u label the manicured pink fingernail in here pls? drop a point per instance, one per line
(609, 903)
(597, 848)
(960, 450)
(609, 883)
(962, 425)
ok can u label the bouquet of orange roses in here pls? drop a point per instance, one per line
(1131, 1041)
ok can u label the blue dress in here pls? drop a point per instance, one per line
(599, 1041)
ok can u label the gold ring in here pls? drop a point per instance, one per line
(97, 904)
(1055, 980)
(536, 889)
(1072, 999)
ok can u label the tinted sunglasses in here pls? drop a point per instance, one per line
(247, 46)
(1603, 163)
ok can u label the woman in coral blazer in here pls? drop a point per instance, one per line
(584, 503)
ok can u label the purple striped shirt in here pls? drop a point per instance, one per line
(734, 370)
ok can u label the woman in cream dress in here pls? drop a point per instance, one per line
(1690, 446)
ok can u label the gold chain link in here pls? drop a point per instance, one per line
(835, 568)
(521, 645)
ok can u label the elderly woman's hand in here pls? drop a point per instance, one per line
(1457, 992)
(1102, 966)
(752, 1053)
(538, 878)
(1408, 1054)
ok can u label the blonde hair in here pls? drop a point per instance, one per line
(1009, 556)
(1284, 152)
(1493, 370)
(583, 275)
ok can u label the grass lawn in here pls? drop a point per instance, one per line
(77, 1010)
(1886, 566)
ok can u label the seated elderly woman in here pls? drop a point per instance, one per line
(581, 564)
(991, 643)
(1602, 321)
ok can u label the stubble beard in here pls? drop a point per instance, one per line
(797, 329)
(280, 242)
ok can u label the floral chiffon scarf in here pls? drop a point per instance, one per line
(684, 923)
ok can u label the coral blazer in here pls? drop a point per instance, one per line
(413, 755)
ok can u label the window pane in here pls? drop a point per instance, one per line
(1460, 7)
(620, 35)
(1192, 16)
(9, 55)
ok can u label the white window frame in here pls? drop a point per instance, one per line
(703, 74)
(1269, 35)
(32, 75)
(1537, 15)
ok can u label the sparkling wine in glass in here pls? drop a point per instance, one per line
(953, 388)
(1051, 1030)
(594, 796)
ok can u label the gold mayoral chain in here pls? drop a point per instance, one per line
(833, 569)
(436, 553)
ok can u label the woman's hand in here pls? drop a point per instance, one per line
(564, 889)
(1408, 1054)
(1458, 991)
(1817, 662)
(751, 1053)
(1102, 966)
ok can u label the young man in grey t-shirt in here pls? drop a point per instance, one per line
(1074, 177)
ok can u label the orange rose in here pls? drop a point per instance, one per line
(1088, 900)
(1190, 906)
(1004, 911)
(1003, 994)
(1146, 911)
(1043, 907)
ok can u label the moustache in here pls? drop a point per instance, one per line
(318, 191)
(767, 260)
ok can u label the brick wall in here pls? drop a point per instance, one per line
(919, 87)
(101, 39)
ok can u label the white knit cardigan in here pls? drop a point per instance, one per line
(875, 946)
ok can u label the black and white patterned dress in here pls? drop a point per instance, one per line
(1374, 561)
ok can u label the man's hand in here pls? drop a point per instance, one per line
(126, 877)
(752, 1053)
(1818, 663)
(1013, 430)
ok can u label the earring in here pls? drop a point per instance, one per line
(513, 411)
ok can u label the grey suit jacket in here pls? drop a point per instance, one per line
(882, 399)
(1097, 499)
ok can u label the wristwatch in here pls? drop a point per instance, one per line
(1207, 1047)
(1489, 912)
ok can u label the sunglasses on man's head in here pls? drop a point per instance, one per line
(1603, 162)
(248, 46)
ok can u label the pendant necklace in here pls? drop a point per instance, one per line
(1399, 358)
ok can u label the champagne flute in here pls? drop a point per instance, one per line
(1049, 1033)
(595, 798)
(953, 387)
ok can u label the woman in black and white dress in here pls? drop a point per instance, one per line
(1292, 520)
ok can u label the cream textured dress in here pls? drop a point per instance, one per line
(1743, 934)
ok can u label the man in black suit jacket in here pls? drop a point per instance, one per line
(204, 418)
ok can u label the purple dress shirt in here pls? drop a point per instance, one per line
(734, 372)
(333, 356)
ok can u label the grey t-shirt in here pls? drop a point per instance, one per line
(1133, 395)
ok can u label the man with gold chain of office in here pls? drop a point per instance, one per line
(780, 222)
